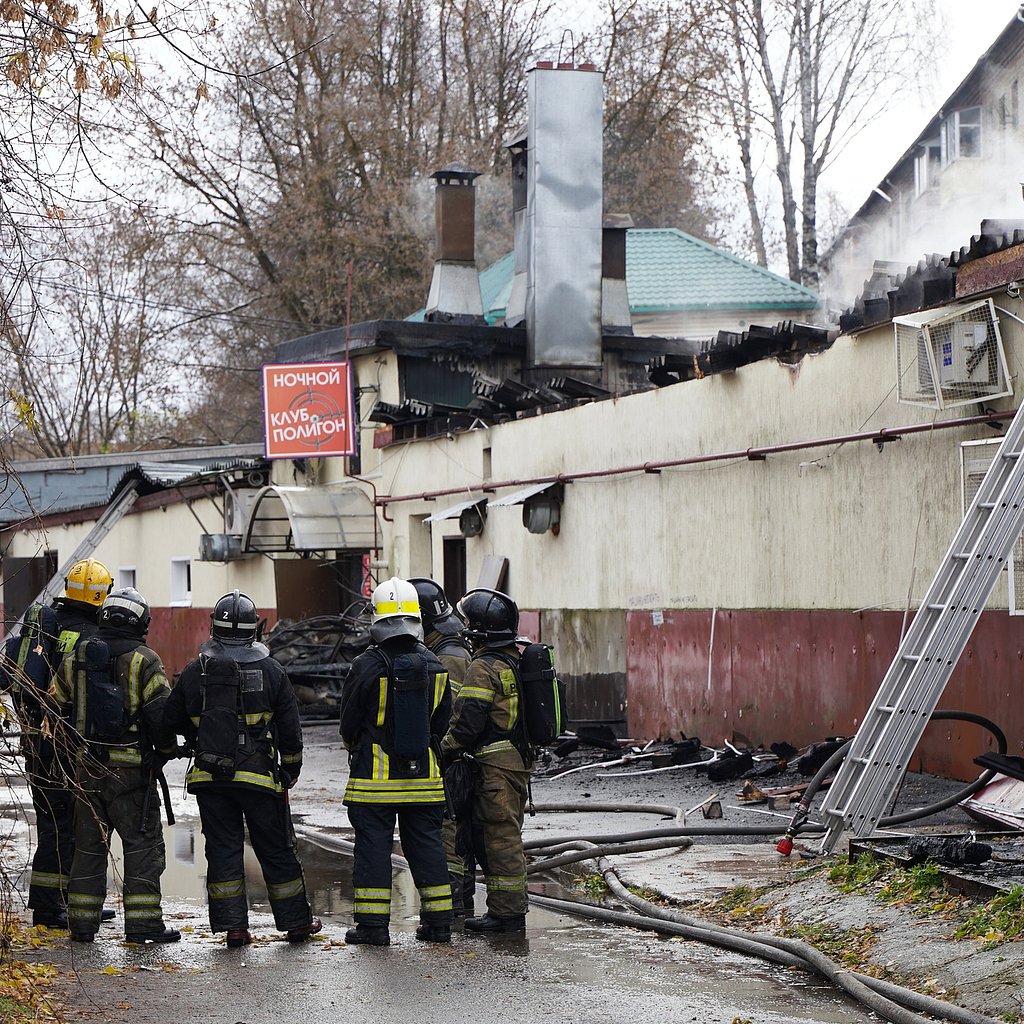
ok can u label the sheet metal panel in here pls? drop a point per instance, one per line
(799, 676)
(564, 217)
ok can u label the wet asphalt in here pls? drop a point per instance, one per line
(563, 969)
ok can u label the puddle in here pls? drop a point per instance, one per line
(328, 875)
(566, 966)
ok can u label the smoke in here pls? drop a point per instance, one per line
(939, 221)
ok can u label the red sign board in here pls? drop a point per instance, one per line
(307, 410)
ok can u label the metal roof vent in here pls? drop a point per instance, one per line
(563, 215)
(615, 315)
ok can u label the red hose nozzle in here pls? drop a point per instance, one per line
(785, 846)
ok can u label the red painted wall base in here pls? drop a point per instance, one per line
(799, 676)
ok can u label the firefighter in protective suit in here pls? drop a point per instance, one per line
(395, 708)
(116, 779)
(442, 630)
(487, 723)
(30, 662)
(236, 778)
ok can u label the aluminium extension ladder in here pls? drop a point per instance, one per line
(892, 726)
(111, 515)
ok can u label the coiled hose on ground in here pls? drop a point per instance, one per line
(892, 1002)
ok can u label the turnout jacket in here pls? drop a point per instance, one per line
(453, 654)
(26, 667)
(376, 775)
(487, 716)
(76, 621)
(140, 673)
(270, 758)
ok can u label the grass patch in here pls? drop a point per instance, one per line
(857, 875)
(590, 884)
(1001, 919)
(14, 1013)
(744, 904)
(921, 888)
(646, 892)
(850, 947)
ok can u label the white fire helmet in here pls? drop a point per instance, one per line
(396, 611)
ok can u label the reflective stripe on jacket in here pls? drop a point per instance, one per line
(376, 774)
(269, 719)
(140, 674)
(487, 715)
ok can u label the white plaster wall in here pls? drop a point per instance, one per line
(149, 540)
(697, 324)
(843, 526)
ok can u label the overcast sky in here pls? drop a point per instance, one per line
(973, 27)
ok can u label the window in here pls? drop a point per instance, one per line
(181, 582)
(126, 577)
(961, 135)
(927, 165)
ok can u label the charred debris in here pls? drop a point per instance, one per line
(317, 653)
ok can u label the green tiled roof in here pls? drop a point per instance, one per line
(666, 270)
(496, 286)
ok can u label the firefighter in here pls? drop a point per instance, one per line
(443, 635)
(395, 709)
(112, 689)
(236, 709)
(487, 723)
(29, 663)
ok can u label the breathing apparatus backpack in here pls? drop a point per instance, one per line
(543, 694)
(106, 720)
(29, 655)
(221, 730)
(410, 678)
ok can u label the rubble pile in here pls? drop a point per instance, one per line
(317, 654)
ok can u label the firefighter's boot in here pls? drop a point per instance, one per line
(367, 935)
(494, 925)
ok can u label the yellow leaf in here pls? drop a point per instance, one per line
(111, 969)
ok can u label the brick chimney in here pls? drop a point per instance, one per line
(455, 286)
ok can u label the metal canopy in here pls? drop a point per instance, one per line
(455, 510)
(518, 497)
(335, 517)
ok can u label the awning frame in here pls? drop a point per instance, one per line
(330, 517)
(454, 511)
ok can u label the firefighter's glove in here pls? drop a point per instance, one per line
(448, 758)
(161, 757)
(289, 778)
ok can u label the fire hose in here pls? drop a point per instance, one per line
(799, 820)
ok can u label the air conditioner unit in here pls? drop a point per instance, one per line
(950, 356)
(237, 506)
(220, 547)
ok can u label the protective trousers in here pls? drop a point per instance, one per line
(498, 809)
(457, 837)
(55, 847)
(115, 798)
(419, 828)
(226, 811)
